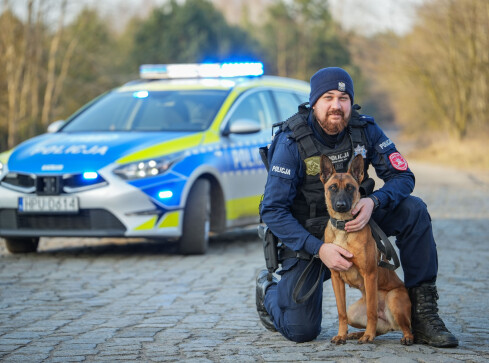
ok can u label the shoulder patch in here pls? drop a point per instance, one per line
(398, 162)
(282, 171)
(384, 146)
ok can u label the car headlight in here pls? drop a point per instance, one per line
(145, 168)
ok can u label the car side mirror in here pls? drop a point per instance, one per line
(242, 126)
(55, 126)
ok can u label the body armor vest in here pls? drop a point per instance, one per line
(309, 206)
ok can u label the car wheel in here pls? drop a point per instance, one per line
(196, 219)
(22, 245)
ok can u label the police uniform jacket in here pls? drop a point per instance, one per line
(287, 172)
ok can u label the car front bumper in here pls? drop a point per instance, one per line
(115, 210)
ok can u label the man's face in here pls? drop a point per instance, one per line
(333, 111)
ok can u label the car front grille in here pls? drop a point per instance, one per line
(50, 185)
(86, 222)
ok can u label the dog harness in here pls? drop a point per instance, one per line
(387, 251)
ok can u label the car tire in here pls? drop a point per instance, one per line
(196, 219)
(22, 245)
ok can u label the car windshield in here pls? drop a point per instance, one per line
(150, 111)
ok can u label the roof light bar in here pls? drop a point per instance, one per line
(202, 70)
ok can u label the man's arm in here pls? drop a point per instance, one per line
(363, 211)
(284, 178)
(391, 167)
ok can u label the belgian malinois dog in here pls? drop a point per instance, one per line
(384, 305)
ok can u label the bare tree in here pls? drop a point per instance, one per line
(14, 68)
(439, 73)
(33, 75)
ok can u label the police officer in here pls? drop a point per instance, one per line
(294, 209)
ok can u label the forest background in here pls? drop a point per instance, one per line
(431, 83)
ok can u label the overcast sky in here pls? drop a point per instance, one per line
(366, 16)
(370, 16)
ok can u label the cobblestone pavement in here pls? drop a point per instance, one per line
(105, 300)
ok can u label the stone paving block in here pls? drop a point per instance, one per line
(67, 359)
(7, 347)
(23, 358)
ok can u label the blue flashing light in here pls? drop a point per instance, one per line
(202, 70)
(90, 175)
(165, 194)
(241, 69)
(140, 94)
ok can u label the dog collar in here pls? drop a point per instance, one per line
(339, 223)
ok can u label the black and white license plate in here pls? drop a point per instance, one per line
(48, 204)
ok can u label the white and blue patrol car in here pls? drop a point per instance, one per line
(172, 156)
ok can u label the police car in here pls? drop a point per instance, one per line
(171, 156)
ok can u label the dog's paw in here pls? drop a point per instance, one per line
(366, 339)
(407, 340)
(355, 335)
(339, 339)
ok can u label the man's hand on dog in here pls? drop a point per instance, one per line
(333, 257)
(363, 210)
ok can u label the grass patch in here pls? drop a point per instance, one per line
(468, 154)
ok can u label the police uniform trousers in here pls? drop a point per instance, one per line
(409, 222)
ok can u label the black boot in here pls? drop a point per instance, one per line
(262, 284)
(427, 326)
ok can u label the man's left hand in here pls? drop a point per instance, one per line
(363, 210)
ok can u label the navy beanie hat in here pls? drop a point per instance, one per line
(327, 79)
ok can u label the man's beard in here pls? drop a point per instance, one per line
(332, 128)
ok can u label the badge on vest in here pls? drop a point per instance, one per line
(312, 165)
(360, 150)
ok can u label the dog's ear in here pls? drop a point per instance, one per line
(327, 169)
(356, 168)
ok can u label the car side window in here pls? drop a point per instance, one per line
(256, 106)
(303, 97)
(287, 103)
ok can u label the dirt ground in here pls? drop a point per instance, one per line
(471, 154)
(467, 155)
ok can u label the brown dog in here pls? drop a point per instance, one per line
(385, 304)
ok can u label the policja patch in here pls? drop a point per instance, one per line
(282, 171)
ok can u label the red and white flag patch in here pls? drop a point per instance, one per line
(398, 162)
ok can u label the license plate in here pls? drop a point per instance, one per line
(48, 204)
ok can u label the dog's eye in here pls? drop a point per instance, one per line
(350, 188)
(333, 187)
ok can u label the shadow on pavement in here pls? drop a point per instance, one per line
(79, 247)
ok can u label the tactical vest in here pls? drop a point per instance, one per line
(309, 206)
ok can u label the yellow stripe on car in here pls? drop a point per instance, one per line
(241, 207)
(166, 148)
(171, 219)
(147, 225)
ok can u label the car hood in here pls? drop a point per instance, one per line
(77, 152)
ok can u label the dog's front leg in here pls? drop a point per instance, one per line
(339, 292)
(372, 307)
